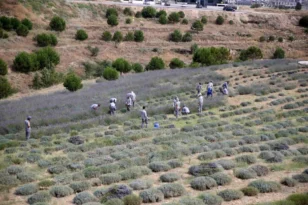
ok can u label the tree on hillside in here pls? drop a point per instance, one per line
(57, 24)
(5, 88)
(117, 37)
(211, 56)
(138, 36)
(47, 58)
(72, 82)
(279, 53)
(251, 53)
(156, 63)
(25, 62)
(27, 23)
(148, 12)
(197, 25)
(112, 20)
(176, 36)
(121, 65)
(111, 11)
(22, 30)
(176, 63)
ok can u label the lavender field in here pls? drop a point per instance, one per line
(246, 148)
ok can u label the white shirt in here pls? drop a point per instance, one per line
(133, 96)
(186, 110)
(210, 85)
(178, 105)
(94, 106)
(144, 114)
(112, 105)
(129, 101)
(200, 99)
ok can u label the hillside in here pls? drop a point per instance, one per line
(258, 132)
(248, 26)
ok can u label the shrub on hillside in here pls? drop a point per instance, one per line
(279, 53)
(169, 177)
(299, 199)
(138, 14)
(56, 169)
(159, 166)
(110, 73)
(302, 178)
(243, 173)
(250, 191)
(3, 67)
(271, 38)
(187, 37)
(3, 34)
(112, 20)
(46, 183)
(8, 180)
(132, 200)
(148, 12)
(181, 14)
(93, 50)
(176, 63)
(211, 56)
(128, 12)
(61, 191)
(41, 196)
(260, 170)
(163, 19)
(46, 40)
(27, 23)
(81, 35)
(128, 21)
(230, 194)
(156, 63)
(262, 39)
(249, 159)
(210, 199)
(138, 36)
(197, 25)
(203, 183)
(72, 82)
(226, 164)
(84, 197)
(26, 177)
(121, 65)
(57, 24)
(288, 182)
(184, 21)
(265, 186)
(47, 58)
(161, 13)
(14, 169)
(116, 191)
(6, 23)
(204, 169)
(22, 30)
(106, 36)
(174, 17)
(303, 21)
(26, 189)
(221, 178)
(190, 201)
(5, 88)
(111, 11)
(137, 67)
(231, 22)
(80, 186)
(172, 190)
(110, 178)
(174, 163)
(151, 195)
(117, 37)
(220, 20)
(204, 20)
(176, 36)
(251, 53)
(140, 184)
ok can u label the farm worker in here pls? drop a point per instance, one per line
(200, 102)
(210, 89)
(177, 106)
(133, 96)
(128, 103)
(144, 117)
(28, 127)
(95, 106)
(185, 110)
(225, 88)
(112, 106)
(199, 88)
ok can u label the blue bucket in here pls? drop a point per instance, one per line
(156, 125)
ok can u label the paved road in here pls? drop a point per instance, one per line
(179, 5)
